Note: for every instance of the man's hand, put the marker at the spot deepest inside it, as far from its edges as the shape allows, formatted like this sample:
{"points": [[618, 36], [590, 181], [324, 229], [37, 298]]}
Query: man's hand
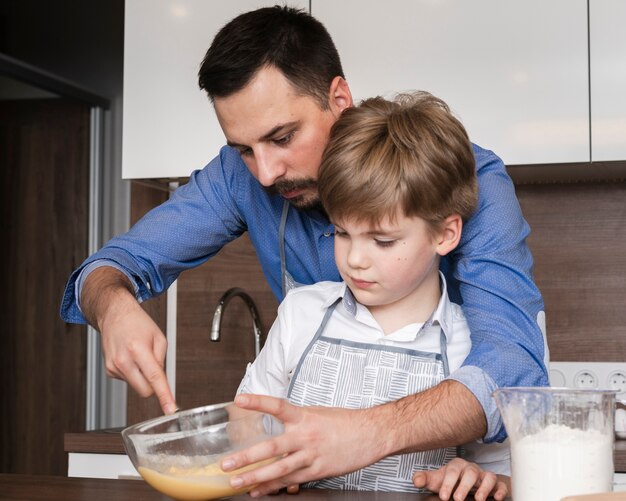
{"points": [[312, 436], [320, 442], [134, 347], [459, 477]]}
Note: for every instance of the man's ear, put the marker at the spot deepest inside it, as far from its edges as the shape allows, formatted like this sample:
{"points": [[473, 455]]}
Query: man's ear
{"points": [[449, 235], [340, 96]]}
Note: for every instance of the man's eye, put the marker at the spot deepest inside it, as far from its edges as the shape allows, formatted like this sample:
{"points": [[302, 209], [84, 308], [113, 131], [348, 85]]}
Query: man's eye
{"points": [[245, 152], [284, 139]]}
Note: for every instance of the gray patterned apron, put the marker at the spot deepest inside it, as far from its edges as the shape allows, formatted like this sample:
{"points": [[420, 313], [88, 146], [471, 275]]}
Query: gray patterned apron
{"points": [[340, 373], [288, 281]]}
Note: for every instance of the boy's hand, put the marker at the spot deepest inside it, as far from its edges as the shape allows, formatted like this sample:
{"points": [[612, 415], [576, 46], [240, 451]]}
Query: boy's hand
{"points": [[458, 478]]}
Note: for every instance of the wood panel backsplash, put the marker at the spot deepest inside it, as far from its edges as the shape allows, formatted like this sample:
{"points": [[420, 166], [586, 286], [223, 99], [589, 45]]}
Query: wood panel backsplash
{"points": [[210, 372], [578, 241]]}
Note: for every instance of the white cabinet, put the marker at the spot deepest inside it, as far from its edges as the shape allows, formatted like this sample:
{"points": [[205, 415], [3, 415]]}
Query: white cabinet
{"points": [[515, 72], [169, 125], [607, 41], [95, 465]]}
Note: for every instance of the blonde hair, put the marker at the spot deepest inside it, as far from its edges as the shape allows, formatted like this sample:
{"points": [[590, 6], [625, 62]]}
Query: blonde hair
{"points": [[410, 154]]}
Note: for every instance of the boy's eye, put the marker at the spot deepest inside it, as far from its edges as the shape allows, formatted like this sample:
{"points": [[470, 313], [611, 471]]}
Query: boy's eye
{"points": [[385, 243], [340, 234]]}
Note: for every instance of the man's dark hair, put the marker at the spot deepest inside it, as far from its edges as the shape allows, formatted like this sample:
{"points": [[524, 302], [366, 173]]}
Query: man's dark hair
{"points": [[289, 39]]}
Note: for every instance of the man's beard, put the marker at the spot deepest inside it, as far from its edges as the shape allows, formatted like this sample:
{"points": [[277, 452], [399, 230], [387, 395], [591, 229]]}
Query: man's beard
{"points": [[308, 201]]}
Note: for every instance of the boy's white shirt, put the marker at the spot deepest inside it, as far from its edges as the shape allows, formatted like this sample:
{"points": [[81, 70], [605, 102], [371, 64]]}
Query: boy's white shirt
{"points": [[300, 315]]}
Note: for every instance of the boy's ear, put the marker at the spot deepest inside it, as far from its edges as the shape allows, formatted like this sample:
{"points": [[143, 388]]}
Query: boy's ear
{"points": [[449, 235], [340, 96]]}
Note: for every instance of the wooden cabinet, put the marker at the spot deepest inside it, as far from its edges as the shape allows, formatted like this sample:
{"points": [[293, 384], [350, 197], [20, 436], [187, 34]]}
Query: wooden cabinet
{"points": [[170, 128], [515, 72], [607, 45], [44, 193]]}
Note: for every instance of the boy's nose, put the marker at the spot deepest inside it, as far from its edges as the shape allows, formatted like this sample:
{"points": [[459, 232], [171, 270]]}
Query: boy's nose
{"points": [[356, 257]]}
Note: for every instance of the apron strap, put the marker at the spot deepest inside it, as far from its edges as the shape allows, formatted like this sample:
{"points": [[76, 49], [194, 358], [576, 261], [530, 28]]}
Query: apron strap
{"points": [[443, 347], [318, 333], [281, 245], [443, 343]]}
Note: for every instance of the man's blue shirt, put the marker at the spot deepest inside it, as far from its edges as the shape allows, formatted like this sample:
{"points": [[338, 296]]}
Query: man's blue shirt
{"points": [[489, 273]]}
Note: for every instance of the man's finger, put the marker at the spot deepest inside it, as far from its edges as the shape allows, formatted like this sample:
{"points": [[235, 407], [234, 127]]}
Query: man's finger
{"points": [[293, 489], [159, 348], [277, 407], [123, 367], [271, 448], [134, 377], [284, 473], [155, 376]]}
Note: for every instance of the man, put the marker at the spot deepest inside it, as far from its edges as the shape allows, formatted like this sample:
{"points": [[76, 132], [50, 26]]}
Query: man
{"points": [[276, 82]]}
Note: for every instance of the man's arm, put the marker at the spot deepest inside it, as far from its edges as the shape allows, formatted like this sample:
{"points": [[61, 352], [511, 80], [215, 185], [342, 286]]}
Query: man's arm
{"points": [[134, 347], [492, 267], [322, 442], [194, 224]]}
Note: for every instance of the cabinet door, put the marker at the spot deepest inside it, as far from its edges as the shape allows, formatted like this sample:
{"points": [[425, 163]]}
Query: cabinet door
{"points": [[515, 72], [607, 40], [170, 127]]}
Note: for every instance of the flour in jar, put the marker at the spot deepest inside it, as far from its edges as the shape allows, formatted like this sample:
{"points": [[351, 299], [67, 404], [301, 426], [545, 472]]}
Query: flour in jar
{"points": [[561, 461]]}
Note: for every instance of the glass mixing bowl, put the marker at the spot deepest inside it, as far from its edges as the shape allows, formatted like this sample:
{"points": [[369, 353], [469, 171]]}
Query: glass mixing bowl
{"points": [[179, 455]]}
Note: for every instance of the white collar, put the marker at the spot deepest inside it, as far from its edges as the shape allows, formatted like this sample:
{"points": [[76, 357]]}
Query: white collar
{"points": [[442, 315]]}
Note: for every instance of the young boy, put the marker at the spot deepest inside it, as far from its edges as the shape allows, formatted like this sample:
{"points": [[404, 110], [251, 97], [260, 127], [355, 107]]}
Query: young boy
{"points": [[397, 180]]}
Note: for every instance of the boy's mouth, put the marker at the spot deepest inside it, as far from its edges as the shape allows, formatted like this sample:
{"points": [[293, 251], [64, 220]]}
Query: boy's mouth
{"points": [[362, 284]]}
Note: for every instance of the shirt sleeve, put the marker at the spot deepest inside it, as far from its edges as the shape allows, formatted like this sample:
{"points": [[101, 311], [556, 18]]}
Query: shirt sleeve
{"points": [[194, 224], [492, 267], [269, 374]]}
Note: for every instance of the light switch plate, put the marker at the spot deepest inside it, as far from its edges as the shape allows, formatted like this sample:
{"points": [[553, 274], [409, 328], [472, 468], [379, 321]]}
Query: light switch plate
{"points": [[599, 375]]}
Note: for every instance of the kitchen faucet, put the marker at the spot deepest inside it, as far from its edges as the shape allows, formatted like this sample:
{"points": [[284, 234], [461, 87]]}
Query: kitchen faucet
{"points": [[221, 306]]}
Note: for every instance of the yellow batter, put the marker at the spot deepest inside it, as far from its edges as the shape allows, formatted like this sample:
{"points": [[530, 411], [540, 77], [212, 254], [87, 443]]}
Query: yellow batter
{"points": [[195, 484]]}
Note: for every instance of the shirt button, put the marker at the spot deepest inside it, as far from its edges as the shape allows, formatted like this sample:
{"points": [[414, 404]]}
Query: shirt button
{"points": [[327, 233]]}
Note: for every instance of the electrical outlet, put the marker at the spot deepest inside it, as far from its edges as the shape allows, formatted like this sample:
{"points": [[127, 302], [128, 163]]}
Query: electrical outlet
{"points": [[617, 381], [585, 379], [600, 375]]}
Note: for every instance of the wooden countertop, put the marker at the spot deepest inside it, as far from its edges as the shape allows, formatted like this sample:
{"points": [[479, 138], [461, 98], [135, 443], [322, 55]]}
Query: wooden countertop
{"points": [[95, 442], [48, 488]]}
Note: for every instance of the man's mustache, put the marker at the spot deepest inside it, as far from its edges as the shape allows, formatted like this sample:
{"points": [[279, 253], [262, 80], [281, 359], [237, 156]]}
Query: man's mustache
{"points": [[287, 185]]}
